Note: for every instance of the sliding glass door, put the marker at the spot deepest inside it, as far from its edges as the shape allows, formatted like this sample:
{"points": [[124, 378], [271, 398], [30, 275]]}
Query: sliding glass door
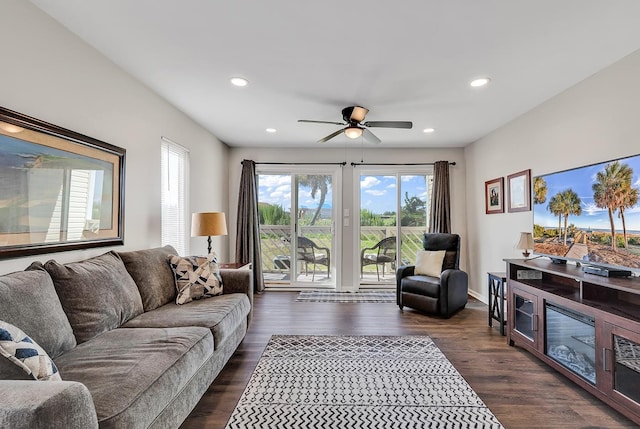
{"points": [[298, 236], [394, 208]]}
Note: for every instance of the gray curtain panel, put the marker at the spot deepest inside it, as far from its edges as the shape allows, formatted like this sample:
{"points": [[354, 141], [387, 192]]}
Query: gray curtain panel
{"points": [[440, 199], [248, 224]]}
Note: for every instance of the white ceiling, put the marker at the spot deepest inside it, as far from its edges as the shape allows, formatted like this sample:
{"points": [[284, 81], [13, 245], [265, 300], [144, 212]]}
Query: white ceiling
{"points": [[404, 60]]}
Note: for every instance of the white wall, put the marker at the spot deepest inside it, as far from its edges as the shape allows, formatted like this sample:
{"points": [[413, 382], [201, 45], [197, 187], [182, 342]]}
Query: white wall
{"points": [[594, 121], [48, 73], [370, 155]]}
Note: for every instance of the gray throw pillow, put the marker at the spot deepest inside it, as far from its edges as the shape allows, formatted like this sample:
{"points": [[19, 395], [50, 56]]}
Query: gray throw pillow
{"points": [[153, 275], [98, 294], [29, 300]]}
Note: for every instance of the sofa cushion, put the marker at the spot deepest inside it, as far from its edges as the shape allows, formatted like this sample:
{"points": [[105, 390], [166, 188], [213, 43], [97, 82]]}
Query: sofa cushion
{"points": [[197, 277], [98, 294], [19, 349], [222, 314], [429, 262], [152, 274], [134, 374], [25, 293]]}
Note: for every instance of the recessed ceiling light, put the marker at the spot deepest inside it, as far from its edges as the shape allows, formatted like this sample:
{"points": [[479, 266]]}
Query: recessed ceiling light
{"points": [[239, 81], [271, 130], [476, 83], [428, 130]]}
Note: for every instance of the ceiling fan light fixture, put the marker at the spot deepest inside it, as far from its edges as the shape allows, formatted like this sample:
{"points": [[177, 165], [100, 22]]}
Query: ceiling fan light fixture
{"points": [[353, 132]]}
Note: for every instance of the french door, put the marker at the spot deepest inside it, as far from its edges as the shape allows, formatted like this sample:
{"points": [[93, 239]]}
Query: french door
{"points": [[297, 211], [394, 213]]}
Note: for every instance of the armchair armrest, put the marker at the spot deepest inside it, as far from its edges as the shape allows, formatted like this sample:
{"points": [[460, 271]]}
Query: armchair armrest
{"points": [[401, 272], [454, 287], [238, 281], [46, 404]]}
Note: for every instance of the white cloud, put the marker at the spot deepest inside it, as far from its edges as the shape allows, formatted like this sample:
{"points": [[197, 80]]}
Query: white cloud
{"points": [[391, 186], [408, 178], [591, 209], [270, 181], [375, 192], [369, 181]]}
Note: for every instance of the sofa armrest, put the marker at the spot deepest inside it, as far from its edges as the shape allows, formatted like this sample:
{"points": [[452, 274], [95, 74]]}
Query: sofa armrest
{"points": [[401, 272], [454, 288], [238, 281], [46, 404]]}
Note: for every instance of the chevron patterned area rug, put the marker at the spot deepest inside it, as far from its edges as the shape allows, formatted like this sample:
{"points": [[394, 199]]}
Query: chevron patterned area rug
{"points": [[358, 382], [359, 296]]}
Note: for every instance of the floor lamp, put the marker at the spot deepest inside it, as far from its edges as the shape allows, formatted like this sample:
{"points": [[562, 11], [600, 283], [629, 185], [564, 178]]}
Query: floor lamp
{"points": [[208, 224]]}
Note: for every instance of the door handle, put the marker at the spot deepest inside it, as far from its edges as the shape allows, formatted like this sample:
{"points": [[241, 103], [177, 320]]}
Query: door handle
{"points": [[605, 359]]}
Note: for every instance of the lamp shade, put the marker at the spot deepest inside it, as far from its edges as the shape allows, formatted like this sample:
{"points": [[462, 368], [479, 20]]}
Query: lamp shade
{"points": [[526, 241], [208, 224]]}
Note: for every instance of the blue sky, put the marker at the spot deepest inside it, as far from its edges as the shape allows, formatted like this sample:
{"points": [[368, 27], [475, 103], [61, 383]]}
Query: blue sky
{"points": [[276, 189], [581, 181], [378, 193]]}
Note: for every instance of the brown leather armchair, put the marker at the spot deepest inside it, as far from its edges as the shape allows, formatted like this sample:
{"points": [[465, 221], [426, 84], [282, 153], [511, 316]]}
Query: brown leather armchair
{"points": [[444, 295]]}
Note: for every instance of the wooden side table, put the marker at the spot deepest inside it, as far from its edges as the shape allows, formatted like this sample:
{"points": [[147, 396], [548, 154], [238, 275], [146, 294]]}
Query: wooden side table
{"points": [[497, 284]]}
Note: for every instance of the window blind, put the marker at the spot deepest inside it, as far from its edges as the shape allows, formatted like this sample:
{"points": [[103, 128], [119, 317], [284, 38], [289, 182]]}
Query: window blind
{"points": [[175, 182]]}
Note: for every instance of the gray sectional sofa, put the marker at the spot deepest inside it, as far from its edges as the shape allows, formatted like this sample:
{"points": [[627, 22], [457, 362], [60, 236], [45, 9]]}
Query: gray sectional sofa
{"points": [[128, 355]]}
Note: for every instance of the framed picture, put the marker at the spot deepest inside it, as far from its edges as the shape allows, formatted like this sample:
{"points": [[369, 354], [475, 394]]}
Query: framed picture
{"points": [[494, 196], [59, 190], [519, 191]]}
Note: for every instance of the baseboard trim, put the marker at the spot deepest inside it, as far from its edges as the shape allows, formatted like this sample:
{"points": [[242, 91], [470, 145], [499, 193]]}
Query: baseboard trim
{"points": [[478, 296]]}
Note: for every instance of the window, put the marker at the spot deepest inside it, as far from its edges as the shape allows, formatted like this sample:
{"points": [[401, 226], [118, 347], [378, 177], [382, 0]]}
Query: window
{"points": [[175, 188], [385, 242]]}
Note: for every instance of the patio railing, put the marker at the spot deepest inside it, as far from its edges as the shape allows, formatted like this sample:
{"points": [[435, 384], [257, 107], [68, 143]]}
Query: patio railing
{"points": [[276, 243]]}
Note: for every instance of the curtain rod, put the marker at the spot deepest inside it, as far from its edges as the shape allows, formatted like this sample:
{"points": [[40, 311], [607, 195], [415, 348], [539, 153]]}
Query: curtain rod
{"points": [[301, 163], [353, 164]]}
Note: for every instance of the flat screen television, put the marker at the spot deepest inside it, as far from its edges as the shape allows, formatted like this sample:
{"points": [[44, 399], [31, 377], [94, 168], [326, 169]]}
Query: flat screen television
{"points": [[590, 214]]}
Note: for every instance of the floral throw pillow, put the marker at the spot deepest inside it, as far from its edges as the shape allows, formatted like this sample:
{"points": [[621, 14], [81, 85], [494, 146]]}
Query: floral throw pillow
{"points": [[197, 277], [23, 352]]}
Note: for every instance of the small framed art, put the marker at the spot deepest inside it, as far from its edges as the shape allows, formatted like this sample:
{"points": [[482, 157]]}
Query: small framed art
{"points": [[519, 191], [494, 196]]}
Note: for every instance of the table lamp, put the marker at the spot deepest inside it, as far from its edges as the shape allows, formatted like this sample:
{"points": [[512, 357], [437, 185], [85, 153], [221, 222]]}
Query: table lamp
{"points": [[208, 224], [525, 243]]}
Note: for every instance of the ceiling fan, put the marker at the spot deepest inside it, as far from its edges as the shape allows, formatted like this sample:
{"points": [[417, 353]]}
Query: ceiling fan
{"points": [[353, 117]]}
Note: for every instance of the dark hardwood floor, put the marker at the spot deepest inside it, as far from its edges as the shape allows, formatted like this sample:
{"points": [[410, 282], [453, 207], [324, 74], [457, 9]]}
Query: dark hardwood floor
{"points": [[520, 390]]}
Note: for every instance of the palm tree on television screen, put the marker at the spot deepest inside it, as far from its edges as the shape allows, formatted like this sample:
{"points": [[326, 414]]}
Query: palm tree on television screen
{"points": [[627, 198], [555, 207], [570, 205], [539, 190], [607, 191]]}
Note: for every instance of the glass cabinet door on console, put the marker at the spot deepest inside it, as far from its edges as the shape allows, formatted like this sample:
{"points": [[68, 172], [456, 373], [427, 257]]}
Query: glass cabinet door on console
{"points": [[621, 364], [524, 316]]}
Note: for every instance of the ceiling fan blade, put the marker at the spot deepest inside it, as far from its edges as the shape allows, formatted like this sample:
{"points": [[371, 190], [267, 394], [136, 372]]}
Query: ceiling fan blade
{"points": [[389, 124], [332, 135], [370, 137], [321, 122], [358, 113]]}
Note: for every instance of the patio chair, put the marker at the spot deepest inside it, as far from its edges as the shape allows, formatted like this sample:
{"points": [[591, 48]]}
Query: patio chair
{"points": [[310, 253], [384, 252]]}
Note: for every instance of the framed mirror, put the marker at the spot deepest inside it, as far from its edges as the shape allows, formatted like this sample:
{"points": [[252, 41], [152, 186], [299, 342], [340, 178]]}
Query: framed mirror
{"points": [[59, 190]]}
